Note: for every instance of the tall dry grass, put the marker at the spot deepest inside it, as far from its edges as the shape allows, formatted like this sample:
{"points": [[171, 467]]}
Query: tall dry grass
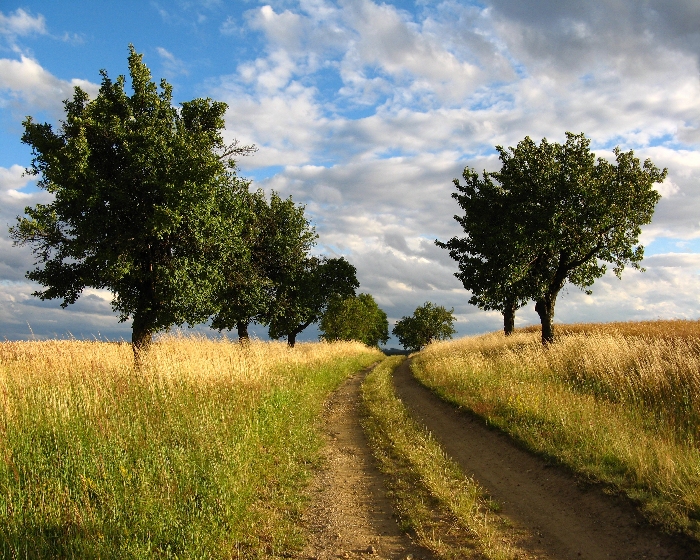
{"points": [[666, 328], [612, 402], [201, 453]]}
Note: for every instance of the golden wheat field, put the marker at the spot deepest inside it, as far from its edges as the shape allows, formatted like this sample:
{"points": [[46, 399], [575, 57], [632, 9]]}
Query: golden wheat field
{"points": [[201, 452], [619, 403]]}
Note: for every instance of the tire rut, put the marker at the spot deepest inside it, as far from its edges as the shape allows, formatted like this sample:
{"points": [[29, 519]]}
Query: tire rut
{"points": [[566, 518], [350, 515]]}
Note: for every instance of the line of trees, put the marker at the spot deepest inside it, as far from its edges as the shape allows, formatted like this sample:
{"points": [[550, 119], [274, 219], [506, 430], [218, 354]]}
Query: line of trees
{"points": [[553, 214], [148, 204]]}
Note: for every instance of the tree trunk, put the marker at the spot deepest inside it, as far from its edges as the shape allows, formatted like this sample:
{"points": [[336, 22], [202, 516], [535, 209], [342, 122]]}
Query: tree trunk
{"points": [[291, 339], [545, 309], [509, 318], [141, 338], [242, 332]]}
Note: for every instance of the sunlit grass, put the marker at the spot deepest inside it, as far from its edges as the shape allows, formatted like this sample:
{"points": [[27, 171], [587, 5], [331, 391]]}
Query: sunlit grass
{"points": [[201, 453], [610, 402], [445, 510]]}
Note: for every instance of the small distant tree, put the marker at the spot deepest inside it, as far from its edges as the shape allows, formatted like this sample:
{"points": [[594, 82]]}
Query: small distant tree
{"points": [[145, 202], [355, 318], [277, 239], [304, 292], [428, 323]]}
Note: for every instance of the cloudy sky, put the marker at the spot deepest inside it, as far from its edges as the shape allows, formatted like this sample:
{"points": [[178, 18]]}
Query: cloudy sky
{"points": [[365, 111]]}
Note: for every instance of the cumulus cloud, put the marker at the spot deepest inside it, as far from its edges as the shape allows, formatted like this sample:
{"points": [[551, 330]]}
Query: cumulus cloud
{"points": [[365, 112], [630, 38], [25, 84], [20, 23], [15, 195]]}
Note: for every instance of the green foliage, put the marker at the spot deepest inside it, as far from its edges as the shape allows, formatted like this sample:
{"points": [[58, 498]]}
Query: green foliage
{"points": [[305, 289], [355, 318], [145, 202], [428, 323], [276, 240], [562, 215], [492, 264]]}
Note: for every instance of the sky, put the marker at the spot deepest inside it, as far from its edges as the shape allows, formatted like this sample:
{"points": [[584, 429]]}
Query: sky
{"points": [[365, 112]]}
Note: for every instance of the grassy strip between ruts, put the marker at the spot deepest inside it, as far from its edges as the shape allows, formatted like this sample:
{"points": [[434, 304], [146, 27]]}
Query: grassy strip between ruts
{"points": [[621, 409], [203, 453], [443, 509]]}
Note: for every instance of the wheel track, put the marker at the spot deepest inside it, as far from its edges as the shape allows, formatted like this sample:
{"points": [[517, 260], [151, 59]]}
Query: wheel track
{"points": [[567, 519], [350, 515]]}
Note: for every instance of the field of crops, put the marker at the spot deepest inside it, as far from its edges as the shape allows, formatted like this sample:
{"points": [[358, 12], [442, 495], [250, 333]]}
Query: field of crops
{"points": [[202, 452], [619, 403]]}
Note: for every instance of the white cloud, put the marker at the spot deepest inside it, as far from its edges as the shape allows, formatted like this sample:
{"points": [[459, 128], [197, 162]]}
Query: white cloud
{"points": [[229, 26], [172, 65], [20, 23], [402, 50], [26, 84]]}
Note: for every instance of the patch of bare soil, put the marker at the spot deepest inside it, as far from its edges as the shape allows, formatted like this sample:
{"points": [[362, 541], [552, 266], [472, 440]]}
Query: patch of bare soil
{"points": [[350, 515], [565, 517]]}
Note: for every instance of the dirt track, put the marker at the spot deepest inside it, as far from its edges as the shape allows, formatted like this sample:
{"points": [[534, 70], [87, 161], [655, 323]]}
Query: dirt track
{"points": [[569, 519], [350, 515]]}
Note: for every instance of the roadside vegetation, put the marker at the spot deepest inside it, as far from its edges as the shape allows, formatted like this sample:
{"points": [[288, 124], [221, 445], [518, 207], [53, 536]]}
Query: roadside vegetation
{"points": [[443, 509], [618, 403], [203, 452]]}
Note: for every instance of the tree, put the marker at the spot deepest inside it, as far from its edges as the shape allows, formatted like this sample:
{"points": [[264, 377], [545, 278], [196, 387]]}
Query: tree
{"points": [[146, 202], [490, 258], [572, 214], [303, 293], [355, 318], [277, 239], [428, 323]]}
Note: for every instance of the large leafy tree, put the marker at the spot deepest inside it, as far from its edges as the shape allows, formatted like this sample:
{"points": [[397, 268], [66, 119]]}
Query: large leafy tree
{"points": [[428, 323], [146, 202], [277, 239], [575, 214], [553, 214], [304, 291], [355, 318], [490, 257]]}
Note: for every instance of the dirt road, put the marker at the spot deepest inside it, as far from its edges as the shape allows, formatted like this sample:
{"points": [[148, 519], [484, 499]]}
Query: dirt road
{"points": [[569, 519], [350, 515]]}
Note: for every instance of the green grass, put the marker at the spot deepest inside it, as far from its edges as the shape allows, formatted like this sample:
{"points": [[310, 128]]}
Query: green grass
{"points": [[443, 509], [105, 462]]}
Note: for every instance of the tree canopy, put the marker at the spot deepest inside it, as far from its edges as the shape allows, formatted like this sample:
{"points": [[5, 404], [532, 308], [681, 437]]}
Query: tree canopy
{"points": [[428, 323], [355, 318], [490, 258], [567, 216], [276, 241], [146, 202], [304, 290]]}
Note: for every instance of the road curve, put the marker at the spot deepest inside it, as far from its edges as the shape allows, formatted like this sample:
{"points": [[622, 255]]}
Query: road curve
{"points": [[566, 518]]}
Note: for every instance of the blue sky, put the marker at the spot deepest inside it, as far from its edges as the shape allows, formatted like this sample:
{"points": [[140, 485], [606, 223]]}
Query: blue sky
{"points": [[365, 111]]}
